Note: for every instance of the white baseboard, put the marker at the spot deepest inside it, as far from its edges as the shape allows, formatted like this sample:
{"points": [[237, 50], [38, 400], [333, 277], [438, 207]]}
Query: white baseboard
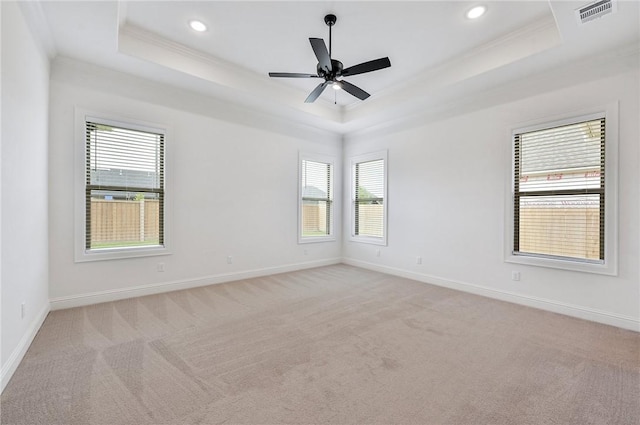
{"points": [[18, 353], [157, 288], [625, 322]]}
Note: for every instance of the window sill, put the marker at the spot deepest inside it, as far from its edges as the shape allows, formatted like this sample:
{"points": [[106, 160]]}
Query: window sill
{"points": [[369, 240], [562, 264], [120, 253], [316, 239]]}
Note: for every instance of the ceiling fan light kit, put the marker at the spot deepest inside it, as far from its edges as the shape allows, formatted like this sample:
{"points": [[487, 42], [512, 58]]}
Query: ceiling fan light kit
{"points": [[331, 69]]}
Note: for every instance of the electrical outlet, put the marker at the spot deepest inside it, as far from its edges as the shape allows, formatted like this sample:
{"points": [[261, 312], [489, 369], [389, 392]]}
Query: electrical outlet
{"points": [[515, 275], [306, 252], [229, 260], [419, 260], [377, 253], [23, 310], [160, 267]]}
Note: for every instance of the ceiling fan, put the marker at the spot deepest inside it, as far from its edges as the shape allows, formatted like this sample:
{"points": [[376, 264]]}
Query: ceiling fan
{"points": [[331, 69]]}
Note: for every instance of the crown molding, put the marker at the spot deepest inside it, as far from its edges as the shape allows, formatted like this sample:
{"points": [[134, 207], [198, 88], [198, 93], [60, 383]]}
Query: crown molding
{"points": [[461, 98], [143, 44], [524, 42], [39, 26]]}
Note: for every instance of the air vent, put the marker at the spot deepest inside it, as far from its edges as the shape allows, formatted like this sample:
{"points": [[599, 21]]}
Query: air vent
{"points": [[595, 10]]}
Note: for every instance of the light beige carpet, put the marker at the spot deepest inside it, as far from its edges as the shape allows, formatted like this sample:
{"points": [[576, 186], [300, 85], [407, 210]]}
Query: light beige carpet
{"points": [[332, 345]]}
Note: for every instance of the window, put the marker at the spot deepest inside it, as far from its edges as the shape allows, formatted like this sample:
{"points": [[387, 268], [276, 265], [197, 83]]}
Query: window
{"points": [[316, 199], [562, 195], [368, 194], [124, 190]]}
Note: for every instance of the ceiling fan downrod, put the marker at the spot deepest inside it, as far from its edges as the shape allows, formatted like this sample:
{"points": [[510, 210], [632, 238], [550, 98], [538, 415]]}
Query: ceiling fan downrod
{"points": [[330, 20]]}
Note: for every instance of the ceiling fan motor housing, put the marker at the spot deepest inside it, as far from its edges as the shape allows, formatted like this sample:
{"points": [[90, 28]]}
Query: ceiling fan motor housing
{"points": [[336, 70]]}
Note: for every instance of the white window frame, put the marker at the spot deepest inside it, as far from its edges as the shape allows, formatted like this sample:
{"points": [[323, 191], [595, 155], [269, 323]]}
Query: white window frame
{"points": [[373, 156], [610, 264], [81, 253], [325, 160]]}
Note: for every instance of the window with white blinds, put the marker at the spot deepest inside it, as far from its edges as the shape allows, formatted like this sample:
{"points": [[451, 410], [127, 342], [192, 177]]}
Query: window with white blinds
{"points": [[559, 192], [316, 199], [369, 193], [124, 186]]}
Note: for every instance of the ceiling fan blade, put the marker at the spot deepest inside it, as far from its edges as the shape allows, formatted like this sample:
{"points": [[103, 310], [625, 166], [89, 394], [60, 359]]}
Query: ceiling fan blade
{"points": [[292, 75], [361, 68], [354, 90], [320, 49], [317, 92]]}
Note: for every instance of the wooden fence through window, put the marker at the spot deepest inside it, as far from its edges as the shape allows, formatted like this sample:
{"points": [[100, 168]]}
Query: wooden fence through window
{"points": [[122, 221]]}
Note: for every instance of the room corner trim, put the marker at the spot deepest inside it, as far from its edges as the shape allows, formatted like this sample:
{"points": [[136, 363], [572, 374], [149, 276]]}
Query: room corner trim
{"points": [[80, 300], [607, 318], [9, 368]]}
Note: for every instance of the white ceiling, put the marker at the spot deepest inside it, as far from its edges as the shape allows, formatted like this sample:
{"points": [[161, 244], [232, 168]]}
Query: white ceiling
{"points": [[437, 55]]}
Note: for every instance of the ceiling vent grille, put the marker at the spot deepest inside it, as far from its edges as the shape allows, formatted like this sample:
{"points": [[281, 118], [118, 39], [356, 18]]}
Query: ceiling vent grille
{"points": [[595, 10]]}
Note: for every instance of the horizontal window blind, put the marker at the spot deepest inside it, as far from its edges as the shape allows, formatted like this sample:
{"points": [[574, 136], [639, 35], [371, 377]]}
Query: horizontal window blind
{"points": [[124, 190], [316, 180], [369, 198], [559, 181]]}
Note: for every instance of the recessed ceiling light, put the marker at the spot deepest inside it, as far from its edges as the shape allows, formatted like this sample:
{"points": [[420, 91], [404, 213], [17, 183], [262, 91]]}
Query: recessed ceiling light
{"points": [[197, 26], [476, 12]]}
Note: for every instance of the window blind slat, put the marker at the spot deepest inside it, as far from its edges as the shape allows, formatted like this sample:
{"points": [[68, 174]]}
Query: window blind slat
{"points": [[316, 180], [124, 187], [559, 191], [369, 198]]}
